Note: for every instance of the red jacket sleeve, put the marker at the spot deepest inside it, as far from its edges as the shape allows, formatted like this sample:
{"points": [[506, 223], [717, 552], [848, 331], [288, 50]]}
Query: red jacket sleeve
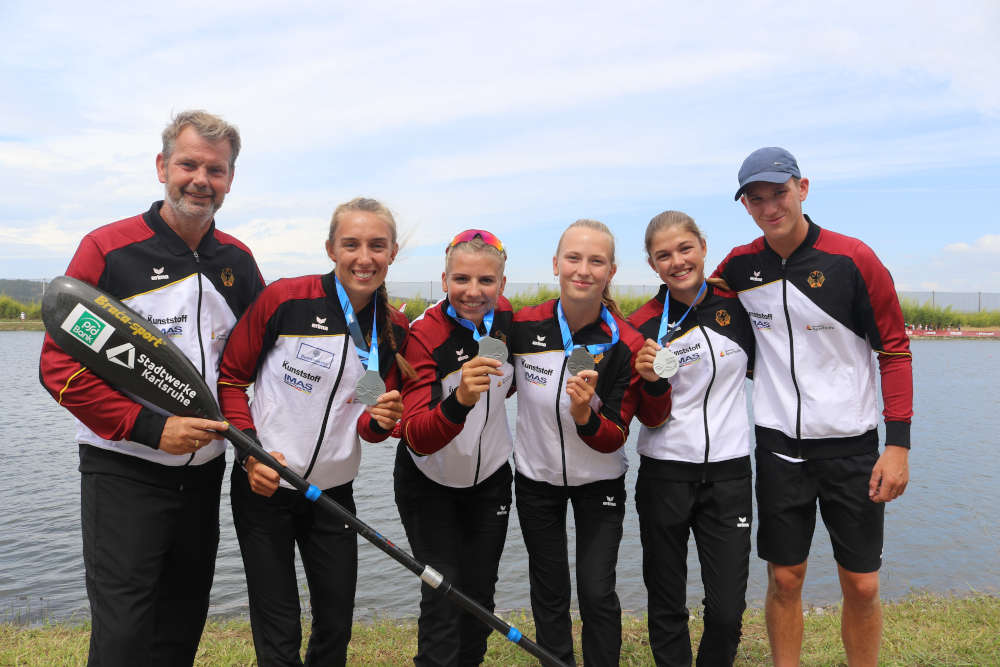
{"points": [[607, 431], [887, 335], [426, 427], [654, 397], [103, 409]]}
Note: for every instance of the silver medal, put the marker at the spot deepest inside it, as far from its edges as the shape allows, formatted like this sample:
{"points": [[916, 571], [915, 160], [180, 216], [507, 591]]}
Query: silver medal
{"points": [[492, 348], [369, 387], [665, 364], [580, 360]]}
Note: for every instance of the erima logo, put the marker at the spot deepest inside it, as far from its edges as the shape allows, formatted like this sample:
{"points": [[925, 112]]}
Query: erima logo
{"points": [[503, 511], [539, 341], [158, 274], [318, 324], [460, 354], [741, 522], [756, 277], [610, 502]]}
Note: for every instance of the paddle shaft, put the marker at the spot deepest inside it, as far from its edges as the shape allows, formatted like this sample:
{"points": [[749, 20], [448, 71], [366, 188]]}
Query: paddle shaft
{"points": [[426, 573]]}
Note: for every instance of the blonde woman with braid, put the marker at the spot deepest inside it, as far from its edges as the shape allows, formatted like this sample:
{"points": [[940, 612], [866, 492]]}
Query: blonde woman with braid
{"points": [[322, 352], [577, 391]]}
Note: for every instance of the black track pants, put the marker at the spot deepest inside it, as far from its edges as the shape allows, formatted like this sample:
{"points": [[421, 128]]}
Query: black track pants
{"points": [[460, 532], [598, 513], [719, 514], [149, 554], [268, 530]]}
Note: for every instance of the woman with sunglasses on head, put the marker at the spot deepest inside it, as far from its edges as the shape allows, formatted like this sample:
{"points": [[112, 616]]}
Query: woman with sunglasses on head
{"points": [[452, 477], [694, 471], [322, 353], [577, 391]]}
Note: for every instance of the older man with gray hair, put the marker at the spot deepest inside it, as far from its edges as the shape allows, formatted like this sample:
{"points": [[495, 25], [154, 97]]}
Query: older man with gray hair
{"points": [[150, 483]]}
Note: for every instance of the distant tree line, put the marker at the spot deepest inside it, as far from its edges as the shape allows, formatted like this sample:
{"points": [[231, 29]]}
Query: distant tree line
{"points": [[915, 314], [11, 309], [25, 291]]}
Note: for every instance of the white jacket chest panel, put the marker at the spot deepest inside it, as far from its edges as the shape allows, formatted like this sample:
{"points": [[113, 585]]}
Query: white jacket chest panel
{"points": [[174, 310], [542, 440], [293, 411], [483, 445], [834, 369], [683, 437]]}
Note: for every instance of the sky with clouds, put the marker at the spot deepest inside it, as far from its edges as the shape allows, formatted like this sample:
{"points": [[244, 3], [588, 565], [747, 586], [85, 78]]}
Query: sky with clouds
{"points": [[518, 117]]}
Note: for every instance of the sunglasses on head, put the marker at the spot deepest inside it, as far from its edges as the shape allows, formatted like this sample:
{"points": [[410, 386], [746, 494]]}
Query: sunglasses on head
{"points": [[488, 238]]}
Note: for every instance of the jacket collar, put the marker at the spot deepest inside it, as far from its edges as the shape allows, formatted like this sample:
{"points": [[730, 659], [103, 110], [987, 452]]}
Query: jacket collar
{"points": [[174, 243]]}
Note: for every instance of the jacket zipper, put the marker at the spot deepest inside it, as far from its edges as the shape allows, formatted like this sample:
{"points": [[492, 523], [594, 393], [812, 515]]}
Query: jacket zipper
{"points": [[708, 390], [562, 440], [201, 341], [329, 404], [479, 448], [791, 357]]}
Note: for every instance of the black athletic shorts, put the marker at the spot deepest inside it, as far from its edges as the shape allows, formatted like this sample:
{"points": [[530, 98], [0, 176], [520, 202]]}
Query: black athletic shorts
{"points": [[786, 509]]}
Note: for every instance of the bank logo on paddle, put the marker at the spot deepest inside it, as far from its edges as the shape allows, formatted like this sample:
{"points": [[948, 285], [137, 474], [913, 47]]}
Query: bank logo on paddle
{"points": [[87, 327]]}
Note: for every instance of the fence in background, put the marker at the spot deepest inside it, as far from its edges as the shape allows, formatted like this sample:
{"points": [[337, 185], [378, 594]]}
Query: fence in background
{"points": [[965, 302]]}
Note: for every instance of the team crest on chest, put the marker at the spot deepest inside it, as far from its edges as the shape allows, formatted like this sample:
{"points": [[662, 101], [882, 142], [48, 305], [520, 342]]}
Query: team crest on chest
{"points": [[227, 277], [598, 357], [816, 279], [722, 317]]}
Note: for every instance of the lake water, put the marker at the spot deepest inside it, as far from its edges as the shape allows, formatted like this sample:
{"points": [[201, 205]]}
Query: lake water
{"points": [[941, 536]]}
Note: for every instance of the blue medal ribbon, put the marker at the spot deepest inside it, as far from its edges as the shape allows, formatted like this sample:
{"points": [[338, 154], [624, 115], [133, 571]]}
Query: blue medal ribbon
{"points": [[469, 324], [368, 357], [668, 328], [594, 348]]}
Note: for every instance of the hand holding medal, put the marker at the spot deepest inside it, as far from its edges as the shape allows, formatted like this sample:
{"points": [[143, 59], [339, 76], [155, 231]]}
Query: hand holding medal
{"points": [[387, 410], [644, 360], [665, 363], [477, 374]]}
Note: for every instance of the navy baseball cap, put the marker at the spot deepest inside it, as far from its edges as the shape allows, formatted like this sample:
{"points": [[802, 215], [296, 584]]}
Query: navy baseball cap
{"points": [[771, 164]]}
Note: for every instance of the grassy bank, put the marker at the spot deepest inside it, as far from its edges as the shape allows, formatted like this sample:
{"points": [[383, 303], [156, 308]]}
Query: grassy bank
{"points": [[920, 630], [19, 325]]}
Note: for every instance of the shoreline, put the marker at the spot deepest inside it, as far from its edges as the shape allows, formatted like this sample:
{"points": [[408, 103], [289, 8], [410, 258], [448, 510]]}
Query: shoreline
{"points": [[22, 325], [919, 629]]}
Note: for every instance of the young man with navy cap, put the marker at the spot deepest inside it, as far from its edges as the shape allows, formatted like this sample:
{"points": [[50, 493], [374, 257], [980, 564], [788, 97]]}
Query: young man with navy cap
{"points": [[820, 303]]}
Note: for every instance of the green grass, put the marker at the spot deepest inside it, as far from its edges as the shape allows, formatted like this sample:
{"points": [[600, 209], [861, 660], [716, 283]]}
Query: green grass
{"points": [[920, 630]]}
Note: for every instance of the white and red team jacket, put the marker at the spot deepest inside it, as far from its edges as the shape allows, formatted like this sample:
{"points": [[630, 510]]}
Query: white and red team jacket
{"points": [[706, 433], [454, 445], [294, 346], [550, 447], [817, 318], [194, 297]]}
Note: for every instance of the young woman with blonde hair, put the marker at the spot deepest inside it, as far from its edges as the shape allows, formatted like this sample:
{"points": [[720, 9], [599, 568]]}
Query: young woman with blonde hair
{"points": [[577, 390], [452, 476]]}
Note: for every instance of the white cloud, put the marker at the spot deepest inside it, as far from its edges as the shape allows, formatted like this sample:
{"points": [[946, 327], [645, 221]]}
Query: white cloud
{"points": [[513, 116], [988, 245]]}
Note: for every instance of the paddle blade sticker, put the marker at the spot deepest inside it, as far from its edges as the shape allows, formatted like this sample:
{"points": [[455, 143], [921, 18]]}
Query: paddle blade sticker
{"points": [[123, 348]]}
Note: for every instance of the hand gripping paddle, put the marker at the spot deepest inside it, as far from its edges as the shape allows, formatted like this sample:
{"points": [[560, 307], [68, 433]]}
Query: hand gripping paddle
{"points": [[122, 347]]}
